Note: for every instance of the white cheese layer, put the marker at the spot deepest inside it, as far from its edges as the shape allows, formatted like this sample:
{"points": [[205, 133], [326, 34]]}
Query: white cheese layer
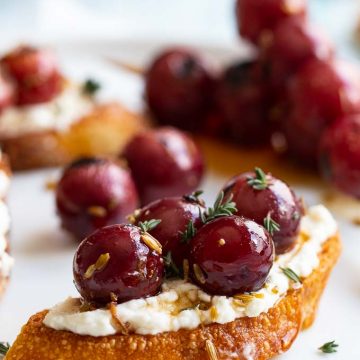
{"points": [[175, 307], [58, 114]]}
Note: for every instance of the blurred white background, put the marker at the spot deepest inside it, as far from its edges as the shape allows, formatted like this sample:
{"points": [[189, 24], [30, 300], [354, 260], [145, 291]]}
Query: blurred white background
{"points": [[200, 21]]}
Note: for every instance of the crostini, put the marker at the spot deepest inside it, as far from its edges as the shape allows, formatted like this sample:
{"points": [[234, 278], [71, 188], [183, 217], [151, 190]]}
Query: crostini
{"points": [[234, 297], [47, 120]]}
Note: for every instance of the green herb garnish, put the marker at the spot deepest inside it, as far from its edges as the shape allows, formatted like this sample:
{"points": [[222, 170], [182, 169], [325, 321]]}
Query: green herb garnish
{"points": [[171, 270], [194, 197], [220, 208], [329, 347], [189, 233], [149, 225], [259, 181], [270, 225], [4, 348], [91, 86], [291, 274]]}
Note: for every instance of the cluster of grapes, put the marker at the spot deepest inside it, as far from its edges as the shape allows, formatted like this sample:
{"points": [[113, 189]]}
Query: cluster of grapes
{"points": [[95, 192], [295, 90], [225, 249]]}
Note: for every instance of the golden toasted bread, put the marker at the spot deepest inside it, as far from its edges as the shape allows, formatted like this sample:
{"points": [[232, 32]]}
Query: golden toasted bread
{"points": [[246, 338], [104, 131]]}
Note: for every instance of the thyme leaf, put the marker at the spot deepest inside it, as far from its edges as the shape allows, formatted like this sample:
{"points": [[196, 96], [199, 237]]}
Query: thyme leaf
{"points": [[220, 208], [270, 225], [149, 225], [90, 87], [4, 348], [195, 197], [259, 181], [329, 347], [189, 233], [171, 270], [291, 274]]}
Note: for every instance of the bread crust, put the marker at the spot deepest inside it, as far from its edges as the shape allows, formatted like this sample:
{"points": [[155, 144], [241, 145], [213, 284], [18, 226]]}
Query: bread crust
{"points": [[257, 338], [104, 131]]}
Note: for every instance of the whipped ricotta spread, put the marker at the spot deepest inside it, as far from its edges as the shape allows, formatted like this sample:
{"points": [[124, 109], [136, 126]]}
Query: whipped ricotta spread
{"points": [[183, 305], [58, 114], [6, 261]]}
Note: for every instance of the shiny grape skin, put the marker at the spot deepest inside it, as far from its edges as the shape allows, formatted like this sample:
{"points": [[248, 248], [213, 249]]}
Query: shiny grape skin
{"points": [[277, 199], [292, 44], [133, 270], [178, 88], [7, 90], [319, 93], [339, 155], [175, 214], [164, 162], [235, 255], [243, 102], [90, 185], [257, 17], [35, 72]]}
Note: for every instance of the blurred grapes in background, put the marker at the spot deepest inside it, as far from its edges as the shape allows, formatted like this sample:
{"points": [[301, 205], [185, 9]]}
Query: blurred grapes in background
{"points": [[200, 21]]}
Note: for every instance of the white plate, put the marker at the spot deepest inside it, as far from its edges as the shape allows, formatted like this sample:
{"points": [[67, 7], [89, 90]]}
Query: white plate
{"points": [[42, 274]]}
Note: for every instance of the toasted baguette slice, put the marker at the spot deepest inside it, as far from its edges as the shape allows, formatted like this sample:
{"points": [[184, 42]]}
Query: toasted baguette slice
{"points": [[102, 132], [258, 338]]}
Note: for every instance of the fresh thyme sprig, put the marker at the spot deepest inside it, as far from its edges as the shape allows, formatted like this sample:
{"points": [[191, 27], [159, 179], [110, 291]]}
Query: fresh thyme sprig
{"points": [[291, 274], [91, 86], [259, 181], [270, 225], [329, 347], [4, 348], [171, 270], [220, 208], [149, 225], [189, 233], [195, 197]]}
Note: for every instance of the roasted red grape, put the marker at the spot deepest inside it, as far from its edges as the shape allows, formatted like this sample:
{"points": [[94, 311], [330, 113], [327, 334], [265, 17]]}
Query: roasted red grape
{"points": [[270, 202], [231, 255], [36, 73], [7, 90], [164, 162], [180, 217], [92, 193], [178, 88], [243, 101], [339, 156], [293, 42], [256, 17], [318, 93], [115, 264]]}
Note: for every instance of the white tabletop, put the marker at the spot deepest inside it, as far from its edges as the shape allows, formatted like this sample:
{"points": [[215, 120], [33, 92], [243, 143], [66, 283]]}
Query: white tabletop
{"points": [[200, 21]]}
